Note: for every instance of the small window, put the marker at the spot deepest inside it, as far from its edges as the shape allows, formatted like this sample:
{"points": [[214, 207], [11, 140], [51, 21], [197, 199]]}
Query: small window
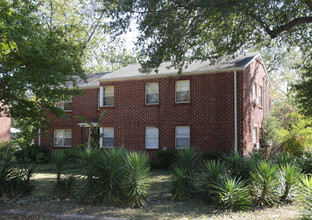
{"points": [[182, 137], [65, 105], [62, 138], [151, 93], [108, 96], [254, 137], [108, 137], [151, 137], [260, 96], [182, 91], [254, 95]]}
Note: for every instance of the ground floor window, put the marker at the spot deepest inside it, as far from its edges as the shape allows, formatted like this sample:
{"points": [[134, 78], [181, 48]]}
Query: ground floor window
{"points": [[254, 137], [151, 137], [107, 137], [62, 138], [182, 137]]}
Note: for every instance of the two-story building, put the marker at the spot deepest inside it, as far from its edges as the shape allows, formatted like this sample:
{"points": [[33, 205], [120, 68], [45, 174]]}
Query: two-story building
{"points": [[210, 107]]}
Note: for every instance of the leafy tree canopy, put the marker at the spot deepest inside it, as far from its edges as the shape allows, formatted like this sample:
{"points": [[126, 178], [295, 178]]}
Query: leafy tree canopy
{"points": [[182, 31]]}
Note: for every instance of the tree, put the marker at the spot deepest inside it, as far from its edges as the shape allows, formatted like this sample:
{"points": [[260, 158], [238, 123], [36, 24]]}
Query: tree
{"points": [[36, 63], [183, 31]]}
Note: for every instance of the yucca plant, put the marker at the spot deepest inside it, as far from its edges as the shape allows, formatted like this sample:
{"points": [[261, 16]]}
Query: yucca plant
{"points": [[135, 183], [110, 174], [6, 173], [264, 184], [187, 159], [306, 196], [182, 184], [66, 187], [88, 159], [237, 166], [289, 179], [231, 194], [282, 159]]}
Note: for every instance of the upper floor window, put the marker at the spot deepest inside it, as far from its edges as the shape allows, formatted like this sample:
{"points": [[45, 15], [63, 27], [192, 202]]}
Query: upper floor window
{"points": [[107, 96], [182, 137], [151, 93], [182, 91], [151, 137], [260, 95], [62, 138], [65, 105], [107, 137], [254, 95]]}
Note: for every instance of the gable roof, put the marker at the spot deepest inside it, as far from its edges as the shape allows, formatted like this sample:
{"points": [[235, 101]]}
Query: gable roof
{"points": [[92, 80], [225, 64]]}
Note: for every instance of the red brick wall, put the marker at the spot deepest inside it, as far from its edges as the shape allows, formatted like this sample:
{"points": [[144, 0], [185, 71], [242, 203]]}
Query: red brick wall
{"points": [[210, 113], [5, 124]]}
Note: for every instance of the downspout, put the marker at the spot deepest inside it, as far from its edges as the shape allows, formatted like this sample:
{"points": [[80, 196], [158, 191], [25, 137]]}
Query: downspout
{"points": [[39, 138], [235, 113]]}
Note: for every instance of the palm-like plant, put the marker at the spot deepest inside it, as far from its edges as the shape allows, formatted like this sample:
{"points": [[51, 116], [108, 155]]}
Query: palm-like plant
{"points": [[135, 183], [231, 194], [60, 161], [187, 159], [290, 176], [306, 196], [237, 166], [110, 173], [182, 184], [264, 184]]}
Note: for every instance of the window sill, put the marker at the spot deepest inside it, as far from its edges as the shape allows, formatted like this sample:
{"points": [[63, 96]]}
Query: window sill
{"points": [[108, 106], [151, 148], [68, 111], [152, 105]]}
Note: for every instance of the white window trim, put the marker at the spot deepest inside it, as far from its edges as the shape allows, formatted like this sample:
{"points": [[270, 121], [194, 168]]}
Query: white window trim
{"points": [[175, 91], [176, 137], [102, 96], [259, 98], [102, 137], [63, 130], [152, 137], [146, 93], [254, 138], [254, 93]]}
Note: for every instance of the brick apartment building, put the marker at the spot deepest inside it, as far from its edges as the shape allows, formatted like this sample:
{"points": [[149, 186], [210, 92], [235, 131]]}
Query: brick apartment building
{"points": [[217, 107]]}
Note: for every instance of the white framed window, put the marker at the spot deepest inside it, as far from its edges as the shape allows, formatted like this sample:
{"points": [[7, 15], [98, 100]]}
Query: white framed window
{"points": [[107, 137], [182, 91], [151, 138], [260, 95], [182, 137], [65, 105], [151, 93], [62, 138], [254, 137], [254, 95], [107, 96]]}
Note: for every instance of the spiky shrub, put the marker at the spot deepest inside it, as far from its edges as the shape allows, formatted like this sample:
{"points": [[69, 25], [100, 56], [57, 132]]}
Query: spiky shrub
{"points": [[231, 194], [306, 196], [211, 174], [88, 159], [110, 176], [289, 179], [187, 159], [282, 159], [182, 184], [237, 166], [65, 188], [264, 184], [135, 184]]}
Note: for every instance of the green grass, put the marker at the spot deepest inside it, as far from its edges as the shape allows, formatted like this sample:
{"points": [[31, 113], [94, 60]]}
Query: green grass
{"points": [[159, 203]]}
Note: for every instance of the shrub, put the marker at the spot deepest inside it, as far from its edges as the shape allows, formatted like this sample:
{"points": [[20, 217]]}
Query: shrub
{"points": [[65, 186], [305, 163], [282, 159], [32, 153], [290, 175], [264, 184], [237, 166], [212, 155], [231, 194], [294, 145], [187, 159], [182, 184], [135, 182], [166, 158], [6, 147], [306, 196]]}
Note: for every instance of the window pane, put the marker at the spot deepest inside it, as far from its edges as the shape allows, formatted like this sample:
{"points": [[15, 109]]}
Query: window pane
{"points": [[182, 131], [108, 142], [152, 98], [109, 91], [254, 91], [182, 143], [182, 85], [67, 142], [108, 132], [260, 95], [58, 133], [254, 135], [67, 133], [151, 132], [182, 96], [67, 106], [109, 100], [151, 88], [151, 142], [58, 142]]}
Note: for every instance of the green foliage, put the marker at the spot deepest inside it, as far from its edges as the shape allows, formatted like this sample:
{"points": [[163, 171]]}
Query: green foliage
{"points": [[231, 194], [305, 163], [182, 184], [32, 153], [135, 184], [65, 186], [282, 159], [238, 166], [166, 158], [187, 159], [306, 196], [6, 147], [270, 134], [110, 171], [294, 145], [212, 155], [290, 176], [264, 184]]}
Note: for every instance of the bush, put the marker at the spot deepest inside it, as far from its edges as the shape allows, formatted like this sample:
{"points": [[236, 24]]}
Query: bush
{"points": [[6, 147], [305, 163], [290, 175], [166, 158], [306, 196], [65, 187], [238, 166], [294, 145], [182, 184], [212, 155], [32, 153]]}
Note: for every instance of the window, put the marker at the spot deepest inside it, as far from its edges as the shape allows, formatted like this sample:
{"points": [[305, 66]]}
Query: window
{"points": [[151, 93], [65, 105], [107, 96], [254, 137], [62, 138], [182, 91], [182, 137], [107, 138], [151, 137], [254, 95], [260, 96]]}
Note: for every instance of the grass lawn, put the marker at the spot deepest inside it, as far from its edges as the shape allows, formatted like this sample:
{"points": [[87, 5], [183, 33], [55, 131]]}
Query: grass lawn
{"points": [[160, 205]]}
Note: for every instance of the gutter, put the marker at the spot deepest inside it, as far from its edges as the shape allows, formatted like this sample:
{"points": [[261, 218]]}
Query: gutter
{"points": [[235, 113]]}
